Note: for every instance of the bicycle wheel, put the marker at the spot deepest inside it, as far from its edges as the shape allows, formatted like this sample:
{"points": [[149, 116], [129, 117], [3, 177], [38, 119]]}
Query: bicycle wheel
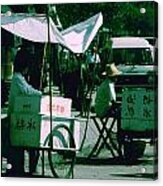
{"points": [[62, 158]]}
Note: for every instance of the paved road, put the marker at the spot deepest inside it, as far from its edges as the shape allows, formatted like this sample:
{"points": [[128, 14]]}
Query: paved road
{"points": [[104, 167], [108, 168], [143, 169]]}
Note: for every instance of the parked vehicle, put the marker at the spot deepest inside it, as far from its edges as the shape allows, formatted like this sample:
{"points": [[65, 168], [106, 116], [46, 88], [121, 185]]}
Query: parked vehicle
{"points": [[135, 57]]}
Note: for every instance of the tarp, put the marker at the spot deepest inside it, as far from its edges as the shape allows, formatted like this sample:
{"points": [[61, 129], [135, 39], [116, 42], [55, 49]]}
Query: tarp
{"points": [[33, 28], [77, 38]]}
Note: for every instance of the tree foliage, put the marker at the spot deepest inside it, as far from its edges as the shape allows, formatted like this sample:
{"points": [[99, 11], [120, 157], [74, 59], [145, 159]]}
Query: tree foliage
{"points": [[121, 18]]}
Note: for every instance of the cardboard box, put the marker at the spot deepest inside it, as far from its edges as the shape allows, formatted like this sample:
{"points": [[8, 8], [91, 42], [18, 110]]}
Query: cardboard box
{"points": [[58, 141], [60, 106]]}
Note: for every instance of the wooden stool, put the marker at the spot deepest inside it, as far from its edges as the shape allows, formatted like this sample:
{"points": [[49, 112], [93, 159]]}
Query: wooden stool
{"points": [[105, 136]]}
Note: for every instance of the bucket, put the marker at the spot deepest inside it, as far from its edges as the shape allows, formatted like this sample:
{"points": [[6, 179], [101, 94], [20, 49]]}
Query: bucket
{"points": [[134, 149]]}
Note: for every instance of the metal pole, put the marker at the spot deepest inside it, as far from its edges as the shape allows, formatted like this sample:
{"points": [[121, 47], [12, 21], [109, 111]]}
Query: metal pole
{"points": [[50, 75]]}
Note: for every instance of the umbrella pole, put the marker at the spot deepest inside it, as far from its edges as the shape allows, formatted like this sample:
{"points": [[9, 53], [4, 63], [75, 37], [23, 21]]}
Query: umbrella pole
{"points": [[50, 77]]}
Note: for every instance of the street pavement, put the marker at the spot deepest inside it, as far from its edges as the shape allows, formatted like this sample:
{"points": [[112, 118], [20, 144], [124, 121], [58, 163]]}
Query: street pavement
{"points": [[104, 166], [110, 169]]}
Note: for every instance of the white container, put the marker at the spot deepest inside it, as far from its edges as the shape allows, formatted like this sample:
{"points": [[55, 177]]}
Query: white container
{"points": [[60, 106], [71, 123]]}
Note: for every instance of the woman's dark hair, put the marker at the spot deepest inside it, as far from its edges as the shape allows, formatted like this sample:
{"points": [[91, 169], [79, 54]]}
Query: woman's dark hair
{"points": [[22, 60]]}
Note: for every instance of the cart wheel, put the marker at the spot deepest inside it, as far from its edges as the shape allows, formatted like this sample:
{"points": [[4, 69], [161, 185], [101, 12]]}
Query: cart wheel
{"points": [[61, 160]]}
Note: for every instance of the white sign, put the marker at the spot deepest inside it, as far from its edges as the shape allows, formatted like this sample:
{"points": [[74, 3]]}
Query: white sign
{"points": [[61, 107]]}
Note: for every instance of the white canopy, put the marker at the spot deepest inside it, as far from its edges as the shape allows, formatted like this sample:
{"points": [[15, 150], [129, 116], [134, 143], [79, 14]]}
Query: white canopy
{"points": [[79, 37], [35, 28]]}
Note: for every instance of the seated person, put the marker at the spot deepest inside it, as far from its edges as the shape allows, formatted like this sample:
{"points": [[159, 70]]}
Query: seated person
{"points": [[106, 95]]}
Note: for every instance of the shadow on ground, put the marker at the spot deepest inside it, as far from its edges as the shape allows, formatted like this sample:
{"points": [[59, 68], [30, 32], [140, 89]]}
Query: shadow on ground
{"points": [[138, 175], [111, 161]]}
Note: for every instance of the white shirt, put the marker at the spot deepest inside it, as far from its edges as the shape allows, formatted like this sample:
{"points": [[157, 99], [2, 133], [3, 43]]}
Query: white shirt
{"points": [[19, 86], [95, 58], [112, 91]]}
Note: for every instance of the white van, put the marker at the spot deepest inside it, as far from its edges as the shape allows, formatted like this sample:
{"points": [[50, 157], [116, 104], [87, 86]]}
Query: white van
{"points": [[135, 57]]}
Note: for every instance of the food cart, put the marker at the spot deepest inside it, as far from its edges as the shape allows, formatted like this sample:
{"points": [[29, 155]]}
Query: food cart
{"points": [[138, 120], [31, 129], [54, 130]]}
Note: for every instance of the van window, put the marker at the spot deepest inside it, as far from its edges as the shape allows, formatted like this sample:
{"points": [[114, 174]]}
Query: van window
{"points": [[132, 56]]}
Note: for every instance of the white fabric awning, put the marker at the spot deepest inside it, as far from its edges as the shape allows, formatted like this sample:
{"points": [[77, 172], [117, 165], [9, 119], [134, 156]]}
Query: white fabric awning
{"points": [[79, 37], [35, 28]]}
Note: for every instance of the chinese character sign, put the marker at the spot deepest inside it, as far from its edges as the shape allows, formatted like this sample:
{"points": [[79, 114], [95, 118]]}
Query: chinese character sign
{"points": [[60, 106], [138, 103], [148, 105], [27, 104], [22, 124], [25, 129], [138, 109], [129, 104]]}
